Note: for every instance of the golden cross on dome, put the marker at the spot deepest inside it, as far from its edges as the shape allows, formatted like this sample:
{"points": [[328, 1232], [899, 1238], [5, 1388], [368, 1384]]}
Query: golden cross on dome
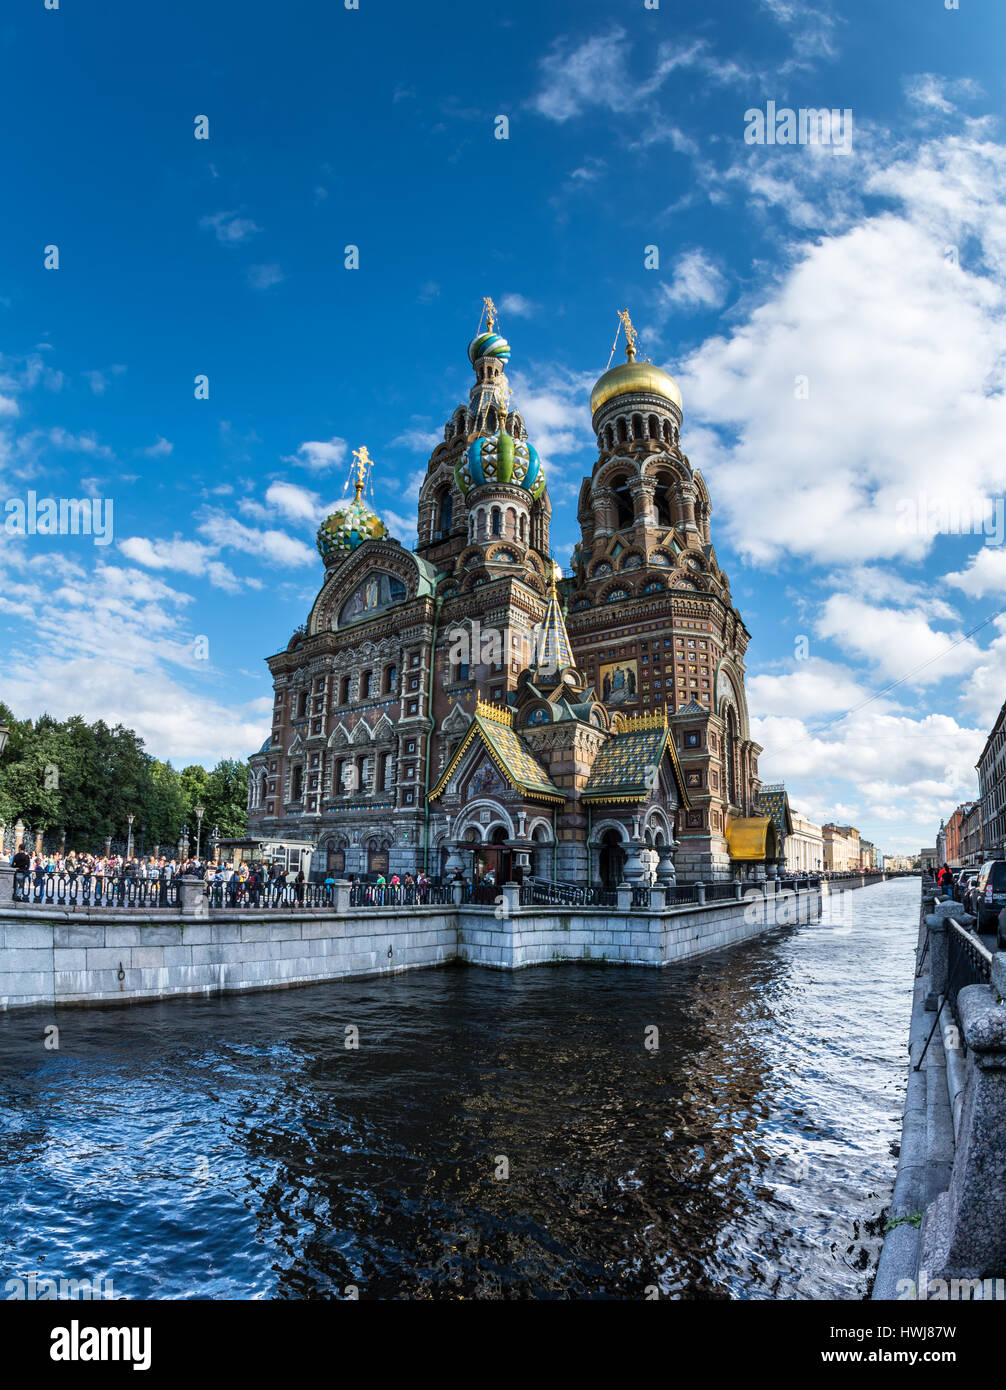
{"points": [[491, 315], [363, 464], [630, 334]]}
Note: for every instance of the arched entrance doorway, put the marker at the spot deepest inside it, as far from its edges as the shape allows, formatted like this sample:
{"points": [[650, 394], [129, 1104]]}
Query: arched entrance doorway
{"points": [[611, 860], [493, 863]]}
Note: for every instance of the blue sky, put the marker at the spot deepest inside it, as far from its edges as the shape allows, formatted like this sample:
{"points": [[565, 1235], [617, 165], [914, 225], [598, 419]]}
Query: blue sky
{"points": [[871, 276]]}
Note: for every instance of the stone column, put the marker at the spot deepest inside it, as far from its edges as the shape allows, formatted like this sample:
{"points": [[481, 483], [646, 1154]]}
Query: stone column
{"points": [[511, 898], [633, 871], [192, 901], [658, 898], [625, 897], [666, 872], [700, 893], [964, 1234], [6, 885], [342, 891]]}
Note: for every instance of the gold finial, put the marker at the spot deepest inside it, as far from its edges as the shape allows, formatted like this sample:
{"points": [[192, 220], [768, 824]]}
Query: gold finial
{"points": [[630, 334], [363, 464], [490, 309]]}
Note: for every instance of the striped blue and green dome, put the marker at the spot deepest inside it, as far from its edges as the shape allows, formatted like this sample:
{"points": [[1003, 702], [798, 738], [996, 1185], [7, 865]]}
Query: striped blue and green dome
{"points": [[488, 345], [499, 458]]}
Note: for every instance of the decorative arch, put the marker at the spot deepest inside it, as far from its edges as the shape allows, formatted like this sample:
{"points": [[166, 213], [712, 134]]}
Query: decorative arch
{"points": [[469, 818]]}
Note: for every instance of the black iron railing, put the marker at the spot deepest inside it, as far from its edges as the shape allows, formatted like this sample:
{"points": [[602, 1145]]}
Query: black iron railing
{"points": [[93, 890], [969, 962], [399, 895], [682, 893]]}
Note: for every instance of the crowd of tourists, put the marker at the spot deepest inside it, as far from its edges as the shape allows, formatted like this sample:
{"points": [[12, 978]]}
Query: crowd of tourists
{"points": [[227, 883]]}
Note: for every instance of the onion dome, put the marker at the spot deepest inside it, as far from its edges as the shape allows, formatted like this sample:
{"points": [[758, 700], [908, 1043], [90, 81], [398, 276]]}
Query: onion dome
{"points": [[631, 377], [499, 458], [350, 526], [488, 345]]}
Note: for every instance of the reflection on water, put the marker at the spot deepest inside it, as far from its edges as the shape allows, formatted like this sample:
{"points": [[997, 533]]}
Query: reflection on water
{"points": [[236, 1148]]}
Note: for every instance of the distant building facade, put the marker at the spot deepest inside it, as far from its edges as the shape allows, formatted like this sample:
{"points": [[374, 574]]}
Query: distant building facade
{"points": [[992, 789], [841, 848], [971, 834], [954, 834], [805, 847]]}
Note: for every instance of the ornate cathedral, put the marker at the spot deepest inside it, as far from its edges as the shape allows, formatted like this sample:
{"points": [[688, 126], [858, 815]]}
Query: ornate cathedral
{"points": [[465, 707]]}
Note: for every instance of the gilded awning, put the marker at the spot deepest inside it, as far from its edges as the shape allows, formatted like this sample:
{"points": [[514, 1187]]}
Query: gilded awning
{"points": [[747, 837]]}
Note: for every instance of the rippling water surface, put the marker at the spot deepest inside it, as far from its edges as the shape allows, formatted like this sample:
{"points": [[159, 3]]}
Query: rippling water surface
{"points": [[235, 1148]]}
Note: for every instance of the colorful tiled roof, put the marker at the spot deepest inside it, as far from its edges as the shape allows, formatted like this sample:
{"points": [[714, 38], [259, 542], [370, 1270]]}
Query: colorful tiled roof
{"points": [[494, 726], [774, 802], [626, 767]]}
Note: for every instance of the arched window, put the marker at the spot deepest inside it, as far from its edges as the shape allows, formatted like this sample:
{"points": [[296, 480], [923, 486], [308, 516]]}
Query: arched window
{"points": [[625, 512], [365, 683], [668, 436], [523, 528], [654, 425], [730, 753], [662, 502], [390, 677], [344, 691], [302, 704], [297, 783], [446, 513], [610, 435], [497, 521], [623, 433], [637, 426], [491, 420]]}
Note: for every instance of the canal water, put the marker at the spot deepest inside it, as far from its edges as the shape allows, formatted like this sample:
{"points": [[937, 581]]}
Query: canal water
{"points": [[493, 1135]]}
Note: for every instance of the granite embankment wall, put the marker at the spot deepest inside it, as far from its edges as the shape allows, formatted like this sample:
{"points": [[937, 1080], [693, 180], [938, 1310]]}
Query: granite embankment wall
{"points": [[85, 956]]}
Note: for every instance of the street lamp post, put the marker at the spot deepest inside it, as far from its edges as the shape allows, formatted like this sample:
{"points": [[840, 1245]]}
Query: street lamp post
{"points": [[200, 811], [183, 843], [130, 817]]}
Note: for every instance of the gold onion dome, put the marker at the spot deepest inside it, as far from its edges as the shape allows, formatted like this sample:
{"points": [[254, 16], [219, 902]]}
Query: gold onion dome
{"points": [[631, 377]]}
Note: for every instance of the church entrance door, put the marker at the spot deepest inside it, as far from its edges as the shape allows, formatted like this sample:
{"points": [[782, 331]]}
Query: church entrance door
{"points": [[612, 859]]}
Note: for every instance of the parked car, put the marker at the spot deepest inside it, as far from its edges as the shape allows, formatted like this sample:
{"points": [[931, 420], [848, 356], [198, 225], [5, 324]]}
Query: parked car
{"points": [[988, 895], [962, 885]]}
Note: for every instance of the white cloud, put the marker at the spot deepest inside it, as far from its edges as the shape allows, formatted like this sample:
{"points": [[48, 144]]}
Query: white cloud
{"points": [[810, 689], [697, 283], [230, 229], [159, 449], [263, 277], [275, 547], [319, 455], [869, 348], [934, 93], [295, 503], [518, 305], [600, 71], [189, 557], [418, 439], [895, 641]]}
